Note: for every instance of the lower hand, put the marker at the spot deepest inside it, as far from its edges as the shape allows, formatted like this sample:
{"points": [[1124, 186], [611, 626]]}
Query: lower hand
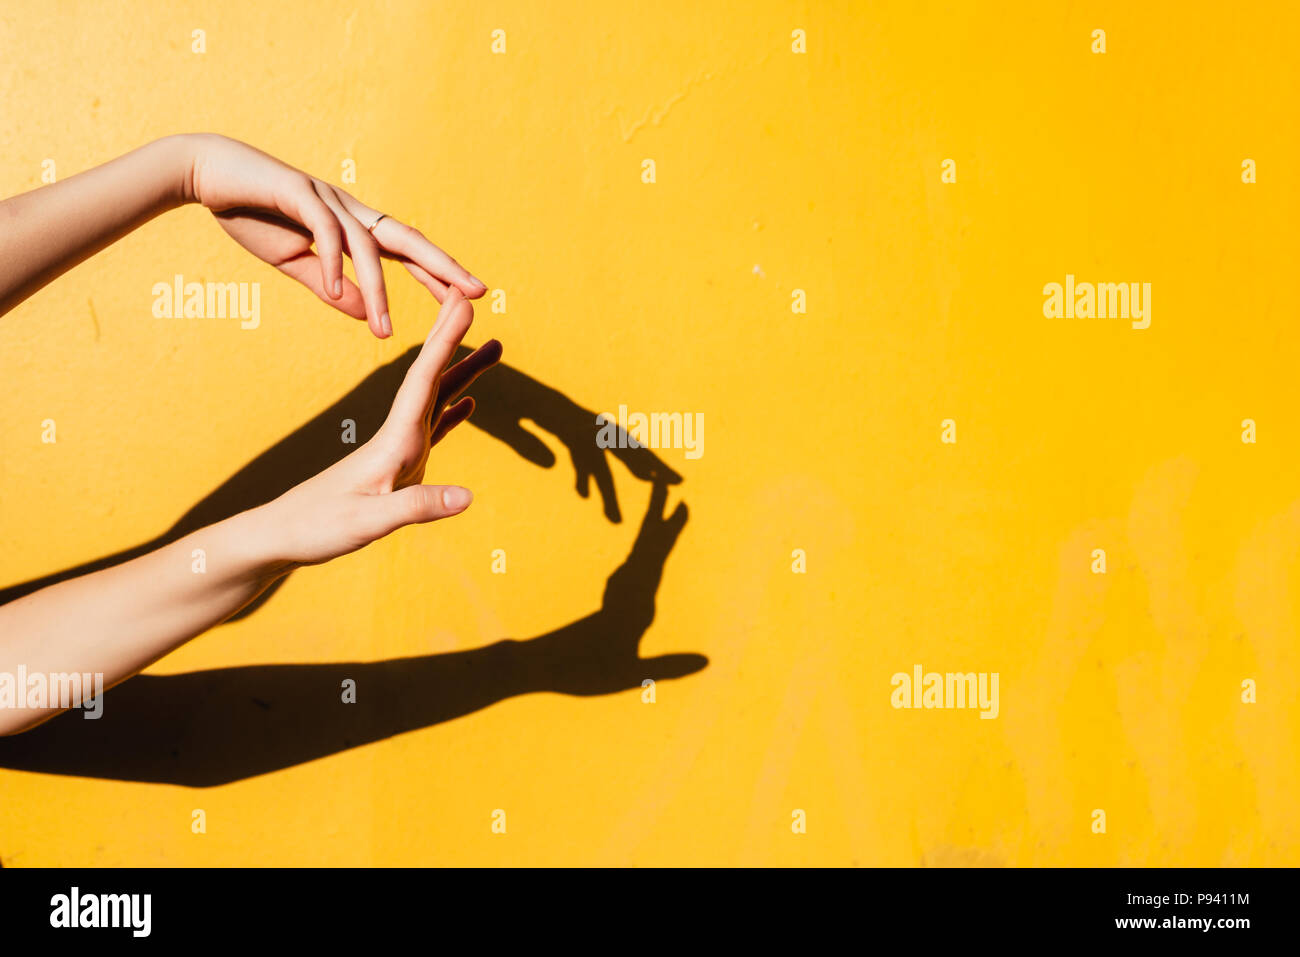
{"points": [[377, 489]]}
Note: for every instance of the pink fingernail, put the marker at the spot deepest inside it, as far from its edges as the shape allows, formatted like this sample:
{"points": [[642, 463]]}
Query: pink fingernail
{"points": [[385, 326], [456, 499]]}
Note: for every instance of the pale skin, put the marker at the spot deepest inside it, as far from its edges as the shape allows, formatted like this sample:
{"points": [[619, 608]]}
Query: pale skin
{"points": [[118, 621]]}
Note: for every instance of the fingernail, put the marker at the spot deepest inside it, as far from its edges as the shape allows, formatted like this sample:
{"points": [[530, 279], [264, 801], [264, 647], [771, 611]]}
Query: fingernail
{"points": [[456, 499], [478, 282], [338, 288], [385, 326]]}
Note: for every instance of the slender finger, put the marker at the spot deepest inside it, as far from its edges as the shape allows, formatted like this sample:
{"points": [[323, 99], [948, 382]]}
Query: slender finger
{"points": [[665, 667], [451, 418], [458, 377], [405, 240], [654, 512], [581, 480], [421, 382], [306, 269], [436, 287], [462, 375], [365, 260], [414, 504], [605, 485], [311, 210]]}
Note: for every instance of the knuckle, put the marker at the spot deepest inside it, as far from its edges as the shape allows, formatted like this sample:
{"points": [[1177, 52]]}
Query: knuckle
{"points": [[423, 502]]}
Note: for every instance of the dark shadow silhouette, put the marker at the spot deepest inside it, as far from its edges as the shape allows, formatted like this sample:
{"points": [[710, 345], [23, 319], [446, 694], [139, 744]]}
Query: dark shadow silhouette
{"points": [[505, 398], [212, 727]]}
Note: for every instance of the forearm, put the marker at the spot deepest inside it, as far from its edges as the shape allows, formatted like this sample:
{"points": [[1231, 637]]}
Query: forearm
{"points": [[47, 231], [115, 622], [118, 621]]}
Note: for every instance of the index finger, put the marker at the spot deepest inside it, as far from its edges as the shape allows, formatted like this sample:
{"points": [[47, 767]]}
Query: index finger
{"points": [[421, 383], [407, 241]]}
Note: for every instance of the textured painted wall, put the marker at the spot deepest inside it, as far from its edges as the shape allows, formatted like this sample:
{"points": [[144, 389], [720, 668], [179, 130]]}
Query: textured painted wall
{"points": [[775, 171]]}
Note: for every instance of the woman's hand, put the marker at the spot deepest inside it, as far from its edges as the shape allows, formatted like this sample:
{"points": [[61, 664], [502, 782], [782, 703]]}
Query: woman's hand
{"points": [[276, 212], [377, 489], [116, 621]]}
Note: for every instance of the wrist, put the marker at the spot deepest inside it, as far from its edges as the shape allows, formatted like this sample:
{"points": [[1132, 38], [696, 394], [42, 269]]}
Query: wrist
{"points": [[264, 542], [180, 155]]}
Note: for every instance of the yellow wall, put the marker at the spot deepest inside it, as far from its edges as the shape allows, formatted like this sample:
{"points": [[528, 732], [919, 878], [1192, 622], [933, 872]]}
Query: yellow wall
{"points": [[775, 171]]}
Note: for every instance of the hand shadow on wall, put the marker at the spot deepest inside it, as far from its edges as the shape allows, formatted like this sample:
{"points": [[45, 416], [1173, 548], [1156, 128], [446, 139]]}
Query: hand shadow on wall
{"points": [[213, 727], [505, 398]]}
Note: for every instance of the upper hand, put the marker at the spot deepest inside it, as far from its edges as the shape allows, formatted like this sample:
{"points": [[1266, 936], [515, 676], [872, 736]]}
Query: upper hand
{"points": [[276, 212]]}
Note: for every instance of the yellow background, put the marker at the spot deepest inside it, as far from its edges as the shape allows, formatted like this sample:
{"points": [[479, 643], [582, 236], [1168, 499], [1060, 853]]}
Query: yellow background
{"points": [[775, 171]]}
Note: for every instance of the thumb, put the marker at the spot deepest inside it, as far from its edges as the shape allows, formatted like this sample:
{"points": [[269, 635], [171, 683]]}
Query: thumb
{"points": [[665, 667], [416, 504]]}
